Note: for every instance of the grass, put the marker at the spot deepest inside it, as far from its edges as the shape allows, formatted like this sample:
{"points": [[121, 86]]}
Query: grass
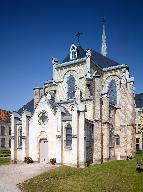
{"points": [[4, 161], [115, 176]]}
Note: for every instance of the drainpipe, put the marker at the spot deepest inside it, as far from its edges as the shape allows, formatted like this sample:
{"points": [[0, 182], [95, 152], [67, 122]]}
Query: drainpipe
{"points": [[61, 141], [77, 138], [101, 103]]}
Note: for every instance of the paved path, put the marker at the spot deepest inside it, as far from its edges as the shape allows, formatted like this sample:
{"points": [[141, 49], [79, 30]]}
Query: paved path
{"points": [[12, 174]]}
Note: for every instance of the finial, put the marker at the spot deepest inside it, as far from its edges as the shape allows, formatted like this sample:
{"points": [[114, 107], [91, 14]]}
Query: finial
{"points": [[104, 46], [78, 37]]}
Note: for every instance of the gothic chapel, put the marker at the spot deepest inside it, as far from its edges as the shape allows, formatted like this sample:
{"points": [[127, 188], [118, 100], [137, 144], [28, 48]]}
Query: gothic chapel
{"points": [[84, 115]]}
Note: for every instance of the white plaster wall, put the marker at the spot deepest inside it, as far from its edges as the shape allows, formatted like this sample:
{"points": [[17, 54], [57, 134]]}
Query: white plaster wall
{"points": [[49, 130]]}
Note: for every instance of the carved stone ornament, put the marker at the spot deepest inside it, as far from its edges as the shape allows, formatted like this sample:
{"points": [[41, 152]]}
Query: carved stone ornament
{"points": [[43, 117]]}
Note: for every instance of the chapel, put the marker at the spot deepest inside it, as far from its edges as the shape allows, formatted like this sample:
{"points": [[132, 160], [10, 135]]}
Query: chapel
{"points": [[84, 115]]}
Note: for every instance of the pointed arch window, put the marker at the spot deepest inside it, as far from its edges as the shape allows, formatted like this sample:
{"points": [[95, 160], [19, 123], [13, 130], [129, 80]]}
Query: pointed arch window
{"points": [[68, 130], [20, 137], [112, 92], [71, 87]]}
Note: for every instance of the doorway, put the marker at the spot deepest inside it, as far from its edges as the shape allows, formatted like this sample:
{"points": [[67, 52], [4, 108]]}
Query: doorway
{"points": [[43, 151]]}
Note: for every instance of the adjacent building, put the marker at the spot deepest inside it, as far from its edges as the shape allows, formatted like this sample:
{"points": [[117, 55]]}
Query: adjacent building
{"points": [[5, 129], [139, 121]]}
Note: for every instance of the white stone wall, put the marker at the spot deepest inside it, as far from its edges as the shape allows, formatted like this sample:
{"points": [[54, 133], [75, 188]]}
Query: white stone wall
{"points": [[47, 131]]}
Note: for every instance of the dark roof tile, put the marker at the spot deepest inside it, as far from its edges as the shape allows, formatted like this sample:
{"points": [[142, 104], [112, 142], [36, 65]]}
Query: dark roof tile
{"points": [[98, 58]]}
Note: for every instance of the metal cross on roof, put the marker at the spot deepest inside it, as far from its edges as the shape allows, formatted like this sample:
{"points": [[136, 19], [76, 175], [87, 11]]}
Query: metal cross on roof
{"points": [[103, 20], [78, 36]]}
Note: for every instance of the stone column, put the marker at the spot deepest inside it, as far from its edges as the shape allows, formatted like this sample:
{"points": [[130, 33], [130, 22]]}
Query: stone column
{"points": [[88, 61], [54, 62], [97, 118], [131, 119], [14, 137], [25, 133], [105, 127], [81, 159]]}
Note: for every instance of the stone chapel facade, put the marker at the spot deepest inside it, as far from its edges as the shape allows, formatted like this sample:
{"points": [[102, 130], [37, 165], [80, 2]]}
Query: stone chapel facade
{"points": [[84, 115]]}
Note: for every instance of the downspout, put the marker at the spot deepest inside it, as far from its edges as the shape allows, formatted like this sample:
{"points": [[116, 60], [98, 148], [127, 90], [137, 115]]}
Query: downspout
{"points": [[77, 138], [61, 140], [101, 102], [15, 142]]}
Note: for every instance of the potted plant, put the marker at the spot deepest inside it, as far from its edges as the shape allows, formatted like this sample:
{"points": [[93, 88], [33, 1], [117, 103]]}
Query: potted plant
{"points": [[28, 160], [53, 161]]}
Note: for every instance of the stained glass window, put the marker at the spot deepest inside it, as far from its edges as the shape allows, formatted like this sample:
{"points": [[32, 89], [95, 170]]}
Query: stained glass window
{"points": [[71, 87], [68, 135], [112, 92]]}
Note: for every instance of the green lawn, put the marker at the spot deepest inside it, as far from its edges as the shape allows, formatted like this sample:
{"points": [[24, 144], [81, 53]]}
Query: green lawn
{"points": [[115, 176], [4, 161]]}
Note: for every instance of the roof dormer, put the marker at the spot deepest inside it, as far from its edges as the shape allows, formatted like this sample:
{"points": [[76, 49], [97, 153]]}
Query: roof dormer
{"points": [[73, 52]]}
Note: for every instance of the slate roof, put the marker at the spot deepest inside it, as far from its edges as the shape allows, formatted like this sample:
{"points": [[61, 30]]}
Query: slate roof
{"points": [[28, 107], [139, 100], [98, 58], [80, 54]]}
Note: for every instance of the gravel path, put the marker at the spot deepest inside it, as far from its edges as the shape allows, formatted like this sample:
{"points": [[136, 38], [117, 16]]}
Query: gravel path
{"points": [[12, 174]]}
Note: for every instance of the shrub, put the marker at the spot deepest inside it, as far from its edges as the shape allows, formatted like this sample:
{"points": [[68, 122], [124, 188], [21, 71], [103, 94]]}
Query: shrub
{"points": [[53, 161], [28, 160], [4, 151], [129, 157]]}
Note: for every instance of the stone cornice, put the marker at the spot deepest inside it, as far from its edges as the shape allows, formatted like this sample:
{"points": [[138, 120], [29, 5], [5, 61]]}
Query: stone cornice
{"points": [[115, 67], [70, 63]]}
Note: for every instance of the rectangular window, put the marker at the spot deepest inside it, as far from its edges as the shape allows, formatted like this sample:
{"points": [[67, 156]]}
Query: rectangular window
{"points": [[117, 140], [137, 140], [137, 147], [9, 130], [2, 142], [68, 136], [2, 130]]}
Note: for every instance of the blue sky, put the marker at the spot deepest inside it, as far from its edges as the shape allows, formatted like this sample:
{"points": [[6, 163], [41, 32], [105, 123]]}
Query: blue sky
{"points": [[33, 31]]}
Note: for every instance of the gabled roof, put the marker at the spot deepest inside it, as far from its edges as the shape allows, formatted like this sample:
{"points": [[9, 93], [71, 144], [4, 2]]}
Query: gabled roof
{"points": [[139, 100], [28, 107], [97, 58]]}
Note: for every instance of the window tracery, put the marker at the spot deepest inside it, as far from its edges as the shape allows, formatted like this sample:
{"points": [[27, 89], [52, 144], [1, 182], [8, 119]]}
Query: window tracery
{"points": [[68, 141], [70, 87], [112, 92], [73, 52], [20, 137]]}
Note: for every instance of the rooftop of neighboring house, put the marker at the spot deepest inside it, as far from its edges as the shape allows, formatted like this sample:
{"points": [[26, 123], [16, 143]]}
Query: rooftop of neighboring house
{"points": [[4, 115]]}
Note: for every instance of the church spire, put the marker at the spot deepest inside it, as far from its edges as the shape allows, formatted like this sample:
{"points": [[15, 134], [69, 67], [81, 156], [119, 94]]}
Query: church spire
{"points": [[104, 46]]}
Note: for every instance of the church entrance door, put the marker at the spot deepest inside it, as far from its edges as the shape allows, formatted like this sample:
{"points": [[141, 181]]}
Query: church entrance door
{"points": [[44, 151]]}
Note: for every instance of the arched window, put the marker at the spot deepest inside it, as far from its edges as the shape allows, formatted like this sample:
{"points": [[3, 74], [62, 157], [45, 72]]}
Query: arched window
{"points": [[73, 52], [71, 87], [68, 130], [2, 130], [112, 92], [20, 137]]}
